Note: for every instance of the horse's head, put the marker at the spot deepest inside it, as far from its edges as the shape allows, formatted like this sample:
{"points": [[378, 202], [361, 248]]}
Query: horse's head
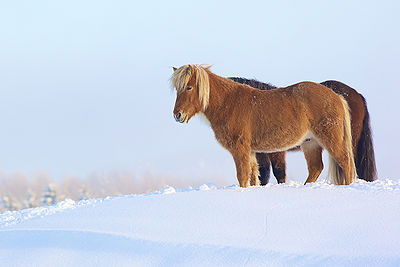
{"points": [[192, 87]]}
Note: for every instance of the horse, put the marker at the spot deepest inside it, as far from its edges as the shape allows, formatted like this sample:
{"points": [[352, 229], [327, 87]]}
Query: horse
{"points": [[246, 121], [363, 149]]}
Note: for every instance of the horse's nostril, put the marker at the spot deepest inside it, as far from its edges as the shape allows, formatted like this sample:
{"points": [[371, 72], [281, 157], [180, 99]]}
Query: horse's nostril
{"points": [[178, 115]]}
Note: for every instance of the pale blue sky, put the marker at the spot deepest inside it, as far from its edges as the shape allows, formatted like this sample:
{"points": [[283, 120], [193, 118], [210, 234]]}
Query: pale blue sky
{"points": [[84, 85]]}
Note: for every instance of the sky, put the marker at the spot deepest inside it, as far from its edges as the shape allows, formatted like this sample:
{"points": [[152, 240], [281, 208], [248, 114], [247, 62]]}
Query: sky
{"points": [[84, 85]]}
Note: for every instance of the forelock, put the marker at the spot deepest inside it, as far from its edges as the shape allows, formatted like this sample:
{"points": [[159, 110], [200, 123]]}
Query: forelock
{"points": [[182, 75]]}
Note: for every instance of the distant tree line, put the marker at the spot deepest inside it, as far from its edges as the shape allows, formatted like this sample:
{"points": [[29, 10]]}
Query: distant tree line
{"points": [[17, 191]]}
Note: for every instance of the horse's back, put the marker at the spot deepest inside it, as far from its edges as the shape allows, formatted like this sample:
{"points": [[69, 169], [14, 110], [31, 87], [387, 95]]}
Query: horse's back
{"points": [[309, 89], [321, 103], [313, 95], [298, 103]]}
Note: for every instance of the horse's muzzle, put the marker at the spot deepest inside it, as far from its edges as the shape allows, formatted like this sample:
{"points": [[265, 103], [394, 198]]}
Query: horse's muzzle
{"points": [[179, 117]]}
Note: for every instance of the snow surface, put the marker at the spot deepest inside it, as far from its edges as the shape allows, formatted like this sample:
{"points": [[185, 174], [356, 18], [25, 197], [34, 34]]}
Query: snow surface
{"points": [[278, 225]]}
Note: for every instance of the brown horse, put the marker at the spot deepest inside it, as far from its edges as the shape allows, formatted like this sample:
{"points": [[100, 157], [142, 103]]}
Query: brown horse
{"points": [[246, 121], [363, 149]]}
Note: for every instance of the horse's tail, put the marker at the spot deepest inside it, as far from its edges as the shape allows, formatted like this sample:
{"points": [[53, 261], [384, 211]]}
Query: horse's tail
{"points": [[365, 158], [336, 172]]}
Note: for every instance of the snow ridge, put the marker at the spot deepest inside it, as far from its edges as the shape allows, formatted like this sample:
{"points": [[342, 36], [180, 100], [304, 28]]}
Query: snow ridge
{"points": [[316, 224], [14, 217]]}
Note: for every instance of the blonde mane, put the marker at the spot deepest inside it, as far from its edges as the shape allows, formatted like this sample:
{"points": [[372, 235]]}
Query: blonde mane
{"points": [[182, 75]]}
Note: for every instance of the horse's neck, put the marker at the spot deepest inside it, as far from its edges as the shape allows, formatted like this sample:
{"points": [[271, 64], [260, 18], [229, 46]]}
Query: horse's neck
{"points": [[221, 90]]}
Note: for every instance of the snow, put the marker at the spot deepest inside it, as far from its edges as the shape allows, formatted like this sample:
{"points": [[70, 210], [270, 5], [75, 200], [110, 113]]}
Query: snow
{"points": [[276, 225]]}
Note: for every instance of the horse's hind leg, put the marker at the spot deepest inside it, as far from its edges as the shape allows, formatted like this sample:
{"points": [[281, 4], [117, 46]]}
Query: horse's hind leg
{"points": [[341, 158], [340, 165], [263, 167], [278, 162], [313, 154]]}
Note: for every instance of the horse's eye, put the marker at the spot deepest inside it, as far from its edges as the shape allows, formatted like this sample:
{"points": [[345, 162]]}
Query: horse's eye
{"points": [[189, 88]]}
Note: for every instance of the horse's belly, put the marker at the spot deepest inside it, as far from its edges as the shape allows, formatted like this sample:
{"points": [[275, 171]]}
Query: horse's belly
{"points": [[276, 143]]}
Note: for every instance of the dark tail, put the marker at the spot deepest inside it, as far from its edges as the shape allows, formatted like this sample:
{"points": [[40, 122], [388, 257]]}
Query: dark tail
{"points": [[365, 158]]}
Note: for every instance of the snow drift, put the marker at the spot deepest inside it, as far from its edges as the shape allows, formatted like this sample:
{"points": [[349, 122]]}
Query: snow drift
{"points": [[286, 224]]}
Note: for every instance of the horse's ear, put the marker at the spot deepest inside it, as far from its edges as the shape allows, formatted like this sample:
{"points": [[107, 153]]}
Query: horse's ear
{"points": [[174, 68]]}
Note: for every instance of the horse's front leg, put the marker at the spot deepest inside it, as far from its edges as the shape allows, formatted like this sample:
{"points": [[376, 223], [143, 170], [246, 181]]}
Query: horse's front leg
{"points": [[242, 162], [278, 162], [264, 167]]}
